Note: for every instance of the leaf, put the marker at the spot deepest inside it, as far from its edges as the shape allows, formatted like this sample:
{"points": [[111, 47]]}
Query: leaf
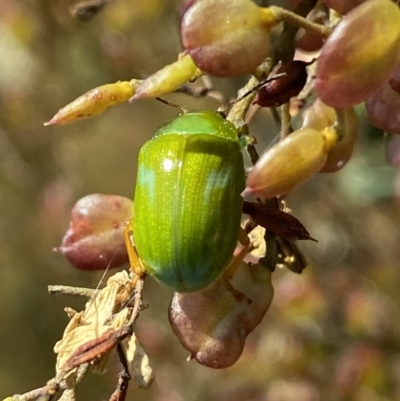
{"points": [[278, 222], [280, 91], [138, 362]]}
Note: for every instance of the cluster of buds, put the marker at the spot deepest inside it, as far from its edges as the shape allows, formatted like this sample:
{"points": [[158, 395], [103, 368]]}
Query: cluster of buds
{"points": [[230, 40]]}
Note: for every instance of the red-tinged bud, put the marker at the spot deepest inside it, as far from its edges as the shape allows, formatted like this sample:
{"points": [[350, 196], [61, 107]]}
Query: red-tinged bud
{"points": [[186, 4], [226, 39], [288, 163], [349, 71], [341, 152], [279, 91], [383, 109], [212, 325], [308, 41], [394, 81], [94, 102], [168, 79], [95, 239]]}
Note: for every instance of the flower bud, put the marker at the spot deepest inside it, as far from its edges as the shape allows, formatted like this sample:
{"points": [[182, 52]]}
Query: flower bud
{"points": [[394, 80], [383, 109], [168, 79], [95, 239], [306, 40], [288, 163], [351, 65], [226, 39], [94, 102], [318, 116], [212, 325]]}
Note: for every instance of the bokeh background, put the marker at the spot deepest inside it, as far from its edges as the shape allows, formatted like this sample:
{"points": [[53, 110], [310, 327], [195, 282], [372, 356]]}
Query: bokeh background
{"points": [[332, 333]]}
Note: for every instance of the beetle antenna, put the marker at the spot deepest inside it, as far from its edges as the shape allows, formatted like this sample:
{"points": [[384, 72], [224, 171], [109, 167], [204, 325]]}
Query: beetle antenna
{"points": [[260, 84], [169, 103]]}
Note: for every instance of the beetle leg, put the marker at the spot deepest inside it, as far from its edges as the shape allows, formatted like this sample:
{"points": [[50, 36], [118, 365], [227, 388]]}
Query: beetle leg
{"points": [[134, 260], [233, 266], [135, 264], [238, 258]]}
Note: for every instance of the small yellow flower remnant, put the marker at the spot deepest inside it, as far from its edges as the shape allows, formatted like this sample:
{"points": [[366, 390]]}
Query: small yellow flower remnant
{"points": [[95, 101]]}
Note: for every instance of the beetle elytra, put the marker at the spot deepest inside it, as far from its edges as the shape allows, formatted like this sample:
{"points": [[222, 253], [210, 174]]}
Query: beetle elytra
{"points": [[188, 204]]}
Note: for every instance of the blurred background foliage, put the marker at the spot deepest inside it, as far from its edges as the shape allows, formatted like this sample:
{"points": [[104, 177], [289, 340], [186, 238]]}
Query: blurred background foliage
{"points": [[332, 333]]}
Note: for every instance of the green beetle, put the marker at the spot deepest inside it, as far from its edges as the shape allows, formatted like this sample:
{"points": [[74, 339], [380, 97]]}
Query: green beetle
{"points": [[187, 206]]}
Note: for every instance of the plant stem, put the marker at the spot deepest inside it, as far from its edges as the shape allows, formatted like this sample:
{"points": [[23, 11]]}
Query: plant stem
{"points": [[68, 290], [300, 22]]}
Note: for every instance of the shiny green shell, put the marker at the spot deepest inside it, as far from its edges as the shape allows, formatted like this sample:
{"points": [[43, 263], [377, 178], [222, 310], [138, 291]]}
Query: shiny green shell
{"points": [[187, 205]]}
